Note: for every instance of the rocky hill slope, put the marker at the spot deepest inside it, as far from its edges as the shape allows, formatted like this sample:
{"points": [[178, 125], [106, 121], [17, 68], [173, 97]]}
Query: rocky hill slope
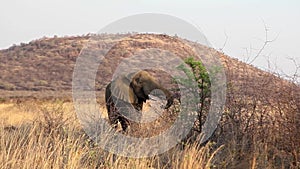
{"points": [[44, 67]]}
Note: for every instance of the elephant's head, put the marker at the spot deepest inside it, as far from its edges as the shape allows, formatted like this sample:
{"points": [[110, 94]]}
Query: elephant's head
{"points": [[143, 83], [136, 87]]}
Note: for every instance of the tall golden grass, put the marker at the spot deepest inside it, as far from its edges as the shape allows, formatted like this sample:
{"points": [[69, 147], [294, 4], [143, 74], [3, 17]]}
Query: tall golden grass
{"points": [[47, 134], [51, 137]]}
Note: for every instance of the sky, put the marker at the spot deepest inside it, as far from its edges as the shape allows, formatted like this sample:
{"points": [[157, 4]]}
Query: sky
{"points": [[237, 27]]}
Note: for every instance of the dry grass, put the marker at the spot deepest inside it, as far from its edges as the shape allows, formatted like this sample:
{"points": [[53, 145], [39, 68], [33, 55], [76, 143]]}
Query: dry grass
{"points": [[48, 135]]}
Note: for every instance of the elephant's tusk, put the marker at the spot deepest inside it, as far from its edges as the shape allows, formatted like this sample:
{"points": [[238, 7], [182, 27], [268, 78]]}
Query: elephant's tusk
{"points": [[152, 97]]}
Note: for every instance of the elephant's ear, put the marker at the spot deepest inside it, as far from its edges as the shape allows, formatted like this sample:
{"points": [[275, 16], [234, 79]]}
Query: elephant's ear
{"points": [[120, 89]]}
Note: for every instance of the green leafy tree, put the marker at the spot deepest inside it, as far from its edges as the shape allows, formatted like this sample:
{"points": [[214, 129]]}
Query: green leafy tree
{"points": [[196, 72]]}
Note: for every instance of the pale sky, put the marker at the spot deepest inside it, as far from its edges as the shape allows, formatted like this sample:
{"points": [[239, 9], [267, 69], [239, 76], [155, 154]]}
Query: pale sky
{"points": [[241, 20]]}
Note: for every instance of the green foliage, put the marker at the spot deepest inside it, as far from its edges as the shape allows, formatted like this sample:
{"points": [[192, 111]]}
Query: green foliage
{"points": [[200, 74], [196, 72]]}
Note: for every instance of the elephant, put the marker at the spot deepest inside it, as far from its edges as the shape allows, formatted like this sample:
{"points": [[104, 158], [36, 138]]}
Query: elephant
{"points": [[125, 95]]}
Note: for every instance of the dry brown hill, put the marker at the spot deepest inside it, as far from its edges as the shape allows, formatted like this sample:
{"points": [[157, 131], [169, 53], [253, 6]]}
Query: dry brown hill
{"points": [[44, 67], [41, 65]]}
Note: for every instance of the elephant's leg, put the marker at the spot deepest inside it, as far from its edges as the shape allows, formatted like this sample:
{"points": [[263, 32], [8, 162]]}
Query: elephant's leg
{"points": [[113, 114], [138, 106], [124, 111], [124, 123], [113, 118]]}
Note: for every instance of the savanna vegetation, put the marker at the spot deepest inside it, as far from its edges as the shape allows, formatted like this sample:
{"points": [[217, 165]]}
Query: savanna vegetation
{"points": [[259, 127]]}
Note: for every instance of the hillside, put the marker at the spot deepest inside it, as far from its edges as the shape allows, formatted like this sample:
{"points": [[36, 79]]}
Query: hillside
{"points": [[44, 67], [41, 65]]}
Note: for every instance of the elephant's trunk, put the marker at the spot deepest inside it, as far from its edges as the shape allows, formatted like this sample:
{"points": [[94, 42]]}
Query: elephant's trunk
{"points": [[167, 93], [169, 97]]}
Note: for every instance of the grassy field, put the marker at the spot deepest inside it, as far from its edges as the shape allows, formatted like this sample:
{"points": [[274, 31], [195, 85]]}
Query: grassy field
{"points": [[48, 135]]}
